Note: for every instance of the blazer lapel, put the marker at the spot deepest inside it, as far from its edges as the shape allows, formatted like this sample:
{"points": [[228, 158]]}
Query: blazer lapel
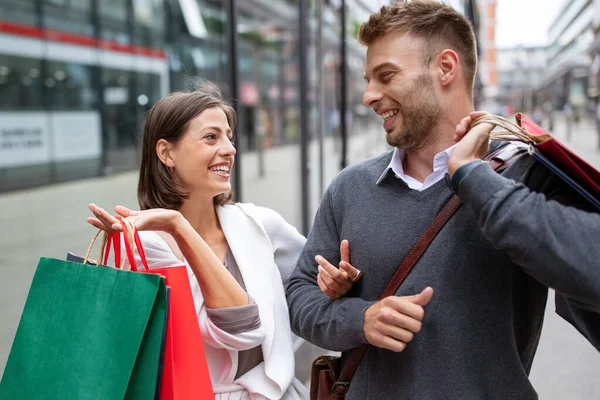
{"points": [[254, 256]]}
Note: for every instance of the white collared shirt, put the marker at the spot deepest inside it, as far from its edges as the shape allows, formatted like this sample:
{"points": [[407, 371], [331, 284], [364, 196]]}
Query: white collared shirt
{"points": [[440, 167]]}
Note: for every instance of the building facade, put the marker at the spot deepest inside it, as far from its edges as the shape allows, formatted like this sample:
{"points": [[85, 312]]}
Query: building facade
{"points": [[78, 76], [566, 78]]}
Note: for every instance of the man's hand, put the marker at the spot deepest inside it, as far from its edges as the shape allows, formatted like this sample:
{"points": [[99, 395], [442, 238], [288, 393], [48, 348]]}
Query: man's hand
{"points": [[392, 322], [472, 144]]}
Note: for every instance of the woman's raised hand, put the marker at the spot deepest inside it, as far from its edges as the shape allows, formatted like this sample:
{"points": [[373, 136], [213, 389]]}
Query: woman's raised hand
{"points": [[336, 282], [157, 219]]}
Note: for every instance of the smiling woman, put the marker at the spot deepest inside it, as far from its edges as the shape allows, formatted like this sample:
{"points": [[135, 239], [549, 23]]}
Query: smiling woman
{"points": [[238, 256], [181, 131]]}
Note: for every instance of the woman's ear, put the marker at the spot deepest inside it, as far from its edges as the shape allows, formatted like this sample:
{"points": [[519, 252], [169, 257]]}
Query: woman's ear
{"points": [[163, 151]]}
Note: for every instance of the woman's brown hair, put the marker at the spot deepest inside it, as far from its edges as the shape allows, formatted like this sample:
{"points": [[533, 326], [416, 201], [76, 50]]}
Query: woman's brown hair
{"points": [[168, 119]]}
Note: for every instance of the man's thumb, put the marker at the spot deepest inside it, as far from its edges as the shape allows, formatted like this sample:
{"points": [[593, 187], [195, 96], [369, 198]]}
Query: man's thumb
{"points": [[424, 297]]}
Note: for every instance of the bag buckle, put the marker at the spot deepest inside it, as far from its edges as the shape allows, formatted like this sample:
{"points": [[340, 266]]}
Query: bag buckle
{"points": [[340, 388]]}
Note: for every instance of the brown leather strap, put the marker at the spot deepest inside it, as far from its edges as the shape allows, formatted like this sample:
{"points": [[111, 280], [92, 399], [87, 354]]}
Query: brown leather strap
{"points": [[499, 161]]}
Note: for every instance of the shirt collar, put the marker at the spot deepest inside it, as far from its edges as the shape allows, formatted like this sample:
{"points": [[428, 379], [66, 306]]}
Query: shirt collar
{"points": [[440, 162]]}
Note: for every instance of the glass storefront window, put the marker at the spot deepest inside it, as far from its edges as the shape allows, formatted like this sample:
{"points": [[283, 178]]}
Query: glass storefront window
{"points": [[149, 23], [113, 14], [19, 11], [73, 17], [20, 83], [69, 86]]}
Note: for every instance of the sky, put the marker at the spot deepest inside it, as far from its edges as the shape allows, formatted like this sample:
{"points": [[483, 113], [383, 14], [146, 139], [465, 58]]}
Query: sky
{"points": [[525, 22]]}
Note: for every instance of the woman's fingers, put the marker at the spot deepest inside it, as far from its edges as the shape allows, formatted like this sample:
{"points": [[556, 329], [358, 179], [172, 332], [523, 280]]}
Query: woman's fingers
{"points": [[105, 219], [352, 273], [126, 212], [332, 294], [333, 272], [345, 250]]}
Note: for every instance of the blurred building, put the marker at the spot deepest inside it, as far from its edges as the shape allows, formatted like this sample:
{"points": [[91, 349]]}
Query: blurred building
{"points": [[487, 61], [77, 76], [520, 72], [570, 35], [594, 82]]}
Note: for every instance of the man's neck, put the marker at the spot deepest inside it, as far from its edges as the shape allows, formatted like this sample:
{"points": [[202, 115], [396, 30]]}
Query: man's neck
{"points": [[418, 163]]}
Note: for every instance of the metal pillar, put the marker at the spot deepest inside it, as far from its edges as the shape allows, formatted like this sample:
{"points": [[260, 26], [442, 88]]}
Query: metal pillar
{"points": [[304, 109], [234, 91], [344, 89]]}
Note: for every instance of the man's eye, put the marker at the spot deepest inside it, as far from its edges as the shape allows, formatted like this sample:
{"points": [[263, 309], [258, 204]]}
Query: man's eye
{"points": [[385, 75]]}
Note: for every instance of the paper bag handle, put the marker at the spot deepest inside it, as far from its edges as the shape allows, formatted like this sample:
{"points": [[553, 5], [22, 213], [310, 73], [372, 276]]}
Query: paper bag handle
{"points": [[513, 131], [105, 239], [129, 233]]}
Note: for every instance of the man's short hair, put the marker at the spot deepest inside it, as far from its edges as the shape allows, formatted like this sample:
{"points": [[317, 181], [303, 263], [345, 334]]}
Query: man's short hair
{"points": [[438, 24]]}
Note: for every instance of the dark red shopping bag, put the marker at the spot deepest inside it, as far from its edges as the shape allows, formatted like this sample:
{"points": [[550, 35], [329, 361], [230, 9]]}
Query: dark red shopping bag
{"points": [[185, 374], [549, 151], [563, 161]]}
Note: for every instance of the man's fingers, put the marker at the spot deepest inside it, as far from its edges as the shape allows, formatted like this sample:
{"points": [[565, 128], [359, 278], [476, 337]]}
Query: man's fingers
{"points": [[345, 250], [400, 320], [463, 126], [476, 114], [392, 344], [333, 272], [423, 298], [353, 274], [398, 333], [405, 305]]}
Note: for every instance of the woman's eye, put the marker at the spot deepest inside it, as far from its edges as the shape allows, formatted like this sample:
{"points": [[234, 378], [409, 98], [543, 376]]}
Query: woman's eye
{"points": [[210, 136]]}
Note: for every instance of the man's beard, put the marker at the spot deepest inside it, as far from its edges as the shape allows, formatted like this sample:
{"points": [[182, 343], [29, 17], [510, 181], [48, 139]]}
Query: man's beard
{"points": [[420, 114]]}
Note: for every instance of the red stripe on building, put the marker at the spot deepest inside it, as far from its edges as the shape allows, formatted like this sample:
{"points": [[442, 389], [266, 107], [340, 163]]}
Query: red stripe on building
{"points": [[80, 40]]}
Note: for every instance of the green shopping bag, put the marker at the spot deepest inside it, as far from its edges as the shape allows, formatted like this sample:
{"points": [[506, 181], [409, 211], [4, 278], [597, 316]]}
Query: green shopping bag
{"points": [[87, 332]]}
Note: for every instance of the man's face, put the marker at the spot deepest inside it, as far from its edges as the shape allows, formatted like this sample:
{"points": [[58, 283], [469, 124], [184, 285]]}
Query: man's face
{"points": [[401, 90]]}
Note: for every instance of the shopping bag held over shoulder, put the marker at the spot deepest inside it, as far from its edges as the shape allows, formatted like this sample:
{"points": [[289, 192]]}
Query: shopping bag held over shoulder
{"points": [[556, 156]]}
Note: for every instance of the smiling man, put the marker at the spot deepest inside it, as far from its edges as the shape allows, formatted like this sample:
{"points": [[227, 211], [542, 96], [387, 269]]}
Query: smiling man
{"points": [[466, 321]]}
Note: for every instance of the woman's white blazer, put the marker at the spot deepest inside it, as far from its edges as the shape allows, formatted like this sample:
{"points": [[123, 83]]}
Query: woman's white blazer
{"points": [[266, 249]]}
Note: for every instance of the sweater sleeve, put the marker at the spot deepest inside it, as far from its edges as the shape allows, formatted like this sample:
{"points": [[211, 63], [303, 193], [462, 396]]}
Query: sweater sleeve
{"points": [[159, 255], [541, 230], [332, 324]]}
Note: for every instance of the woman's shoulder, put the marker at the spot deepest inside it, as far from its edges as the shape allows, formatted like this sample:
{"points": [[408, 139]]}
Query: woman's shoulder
{"points": [[266, 216]]}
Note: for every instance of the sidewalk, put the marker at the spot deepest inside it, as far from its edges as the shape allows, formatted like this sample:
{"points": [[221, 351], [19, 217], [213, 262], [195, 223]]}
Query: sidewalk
{"points": [[584, 138]]}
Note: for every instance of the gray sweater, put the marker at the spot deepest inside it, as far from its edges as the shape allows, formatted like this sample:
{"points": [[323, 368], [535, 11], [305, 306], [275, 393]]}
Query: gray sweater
{"points": [[489, 267]]}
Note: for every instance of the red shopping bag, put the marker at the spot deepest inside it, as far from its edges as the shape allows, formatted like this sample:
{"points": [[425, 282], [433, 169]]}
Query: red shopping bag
{"points": [[563, 158], [185, 374]]}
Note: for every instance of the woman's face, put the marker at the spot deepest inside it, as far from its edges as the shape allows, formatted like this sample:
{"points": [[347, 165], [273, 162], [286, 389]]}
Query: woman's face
{"points": [[203, 157]]}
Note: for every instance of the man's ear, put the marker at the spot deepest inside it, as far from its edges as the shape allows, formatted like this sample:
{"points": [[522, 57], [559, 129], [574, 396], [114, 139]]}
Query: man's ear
{"points": [[163, 151], [448, 66]]}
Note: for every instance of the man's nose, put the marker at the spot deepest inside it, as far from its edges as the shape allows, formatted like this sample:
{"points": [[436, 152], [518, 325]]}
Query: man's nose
{"points": [[371, 95]]}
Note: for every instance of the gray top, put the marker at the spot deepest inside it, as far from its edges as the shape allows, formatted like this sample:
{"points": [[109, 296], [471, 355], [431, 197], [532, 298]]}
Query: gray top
{"points": [[489, 267], [238, 319]]}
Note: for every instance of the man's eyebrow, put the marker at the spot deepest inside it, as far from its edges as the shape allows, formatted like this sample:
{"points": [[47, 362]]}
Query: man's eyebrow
{"points": [[380, 67]]}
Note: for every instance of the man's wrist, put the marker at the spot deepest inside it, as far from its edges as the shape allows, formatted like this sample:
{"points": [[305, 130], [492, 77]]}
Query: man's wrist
{"points": [[462, 172]]}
